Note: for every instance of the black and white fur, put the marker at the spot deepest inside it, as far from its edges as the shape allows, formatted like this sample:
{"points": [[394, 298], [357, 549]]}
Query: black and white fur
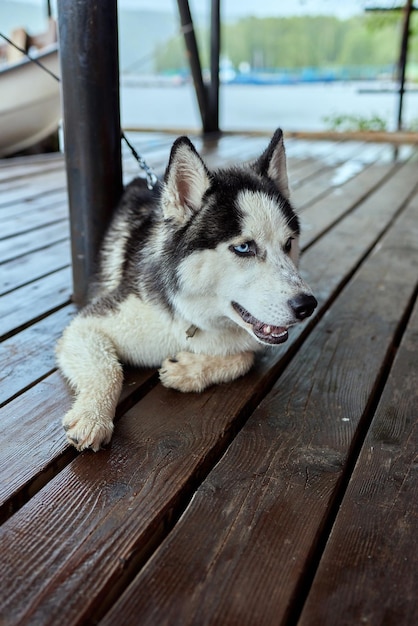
{"points": [[194, 277]]}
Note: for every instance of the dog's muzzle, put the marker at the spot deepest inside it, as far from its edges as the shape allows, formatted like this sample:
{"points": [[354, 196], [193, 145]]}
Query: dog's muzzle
{"points": [[265, 332], [302, 306]]}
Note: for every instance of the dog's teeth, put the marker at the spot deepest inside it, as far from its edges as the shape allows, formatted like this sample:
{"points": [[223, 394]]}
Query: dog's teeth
{"points": [[267, 330]]}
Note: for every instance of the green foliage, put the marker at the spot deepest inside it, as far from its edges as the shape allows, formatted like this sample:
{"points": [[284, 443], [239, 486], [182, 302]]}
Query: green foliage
{"points": [[283, 42], [413, 125], [346, 122], [413, 39], [170, 56], [361, 46], [295, 42]]}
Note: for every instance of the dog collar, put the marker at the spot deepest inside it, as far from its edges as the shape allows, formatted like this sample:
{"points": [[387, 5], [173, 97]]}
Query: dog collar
{"points": [[191, 331]]}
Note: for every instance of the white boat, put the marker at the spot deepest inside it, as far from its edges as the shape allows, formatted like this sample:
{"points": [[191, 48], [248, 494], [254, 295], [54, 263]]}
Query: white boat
{"points": [[30, 105]]}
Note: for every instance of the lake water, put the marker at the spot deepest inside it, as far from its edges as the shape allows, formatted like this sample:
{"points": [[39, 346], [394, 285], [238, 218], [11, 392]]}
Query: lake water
{"points": [[293, 107]]}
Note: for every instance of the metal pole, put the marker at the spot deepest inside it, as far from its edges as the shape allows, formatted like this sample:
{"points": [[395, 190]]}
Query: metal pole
{"points": [[212, 118], [90, 89], [402, 59], [194, 60]]}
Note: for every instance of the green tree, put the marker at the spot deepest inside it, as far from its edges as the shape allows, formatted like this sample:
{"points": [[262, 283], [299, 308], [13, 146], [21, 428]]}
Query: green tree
{"points": [[296, 42]]}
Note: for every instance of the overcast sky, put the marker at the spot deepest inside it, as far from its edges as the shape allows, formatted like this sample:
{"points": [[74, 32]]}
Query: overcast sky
{"points": [[232, 8]]}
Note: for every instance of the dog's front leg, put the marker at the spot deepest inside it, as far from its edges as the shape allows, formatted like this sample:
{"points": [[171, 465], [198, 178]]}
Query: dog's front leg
{"points": [[88, 359], [194, 372]]}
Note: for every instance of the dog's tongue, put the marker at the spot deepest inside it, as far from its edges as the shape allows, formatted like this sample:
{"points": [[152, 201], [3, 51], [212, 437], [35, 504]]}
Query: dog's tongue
{"points": [[271, 334]]}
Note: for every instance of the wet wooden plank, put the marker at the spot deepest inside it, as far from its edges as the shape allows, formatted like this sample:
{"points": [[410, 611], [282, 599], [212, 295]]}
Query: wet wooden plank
{"points": [[243, 550], [31, 205], [110, 509], [37, 436], [25, 188], [318, 182], [358, 170], [215, 152], [23, 167], [33, 216], [25, 269], [164, 445], [105, 511], [29, 356], [25, 305], [232, 149], [18, 312], [325, 268], [320, 214], [358, 231], [18, 245], [369, 571]]}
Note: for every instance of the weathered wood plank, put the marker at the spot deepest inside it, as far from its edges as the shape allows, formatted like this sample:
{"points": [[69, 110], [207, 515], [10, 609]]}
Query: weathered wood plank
{"points": [[267, 501], [33, 204], [30, 267], [321, 262], [25, 305], [369, 571], [217, 152], [29, 356], [34, 217], [16, 246], [110, 508], [368, 154], [342, 178], [225, 150], [338, 168], [359, 226], [20, 189], [320, 214], [148, 454], [35, 165], [37, 436], [105, 511], [325, 268], [233, 149]]}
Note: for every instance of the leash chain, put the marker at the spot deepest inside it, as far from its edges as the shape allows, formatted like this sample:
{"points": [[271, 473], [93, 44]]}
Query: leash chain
{"points": [[151, 177]]}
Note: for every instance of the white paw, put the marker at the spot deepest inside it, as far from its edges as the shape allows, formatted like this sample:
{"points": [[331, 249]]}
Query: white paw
{"points": [[86, 429], [184, 372]]}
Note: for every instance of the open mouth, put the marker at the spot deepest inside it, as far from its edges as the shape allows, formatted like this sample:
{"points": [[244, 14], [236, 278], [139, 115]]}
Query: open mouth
{"points": [[265, 332]]}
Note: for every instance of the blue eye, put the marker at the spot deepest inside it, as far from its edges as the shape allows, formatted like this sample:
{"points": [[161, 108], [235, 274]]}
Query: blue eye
{"points": [[248, 248]]}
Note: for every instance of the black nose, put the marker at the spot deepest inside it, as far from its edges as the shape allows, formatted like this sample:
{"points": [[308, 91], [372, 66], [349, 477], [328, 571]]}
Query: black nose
{"points": [[303, 305]]}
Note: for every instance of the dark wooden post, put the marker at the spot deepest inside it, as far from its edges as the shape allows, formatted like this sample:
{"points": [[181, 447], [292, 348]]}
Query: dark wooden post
{"points": [[90, 89]]}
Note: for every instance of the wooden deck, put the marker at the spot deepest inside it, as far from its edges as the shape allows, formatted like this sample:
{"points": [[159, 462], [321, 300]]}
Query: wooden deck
{"points": [[289, 496]]}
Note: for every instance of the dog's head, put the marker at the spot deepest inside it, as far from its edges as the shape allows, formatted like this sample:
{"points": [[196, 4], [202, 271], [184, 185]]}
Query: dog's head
{"points": [[234, 243]]}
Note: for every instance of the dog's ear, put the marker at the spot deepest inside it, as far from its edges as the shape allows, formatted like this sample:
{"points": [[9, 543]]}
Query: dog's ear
{"points": [[272, 163], [186, 180]]}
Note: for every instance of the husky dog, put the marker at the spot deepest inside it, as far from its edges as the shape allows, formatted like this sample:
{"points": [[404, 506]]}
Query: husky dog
{"points": [[194, 276]]}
